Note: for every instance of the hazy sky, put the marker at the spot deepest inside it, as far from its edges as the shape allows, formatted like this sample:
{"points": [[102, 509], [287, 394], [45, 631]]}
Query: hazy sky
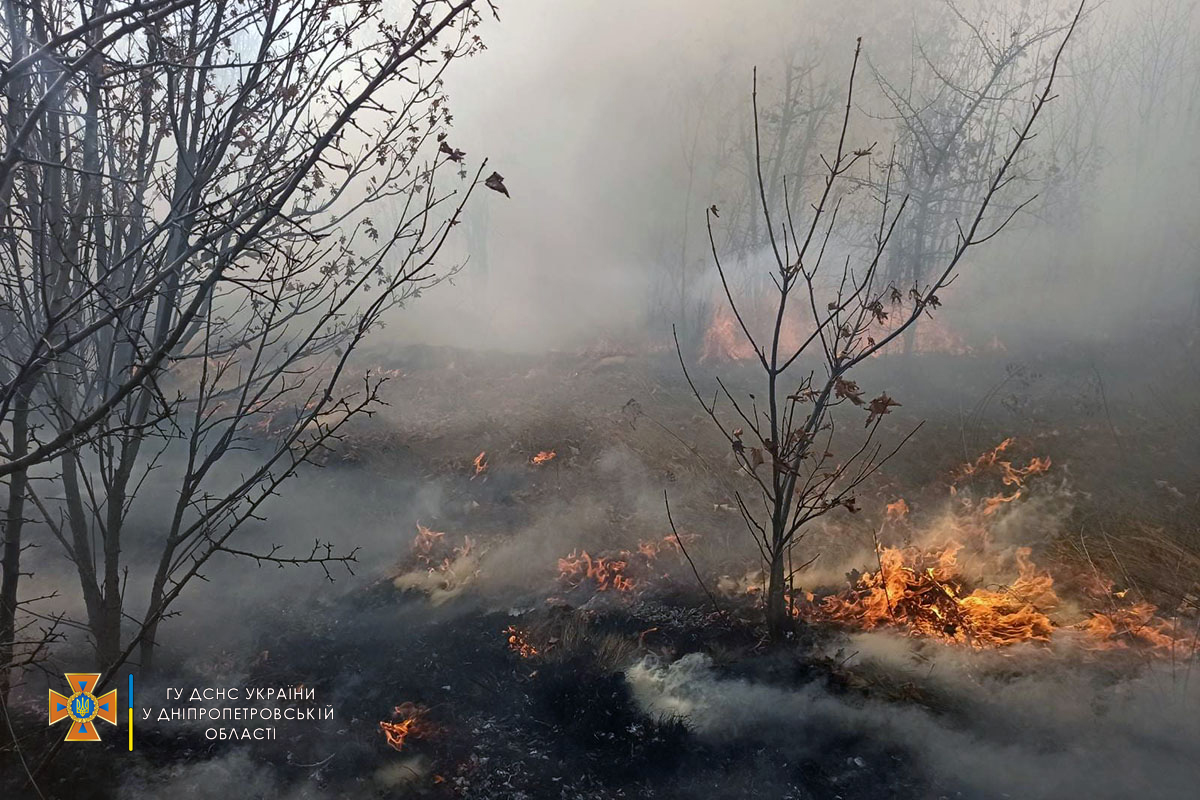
{"points": [[587, 107]]}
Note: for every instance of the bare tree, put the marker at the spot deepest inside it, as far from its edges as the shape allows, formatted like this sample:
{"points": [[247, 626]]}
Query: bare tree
{"points": [[1156, 49], [209, 206], [960, 97], [39, 61], [784, 438], [789, 132]]}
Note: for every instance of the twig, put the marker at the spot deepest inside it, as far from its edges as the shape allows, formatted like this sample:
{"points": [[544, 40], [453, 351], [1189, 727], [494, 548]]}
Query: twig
{"points": [[682, 549], [882, 577], [1104, 400], [17, 747]]}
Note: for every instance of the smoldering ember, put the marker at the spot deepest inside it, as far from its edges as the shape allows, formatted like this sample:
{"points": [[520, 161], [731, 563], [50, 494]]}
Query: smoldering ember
{"points": [[667, 399]]}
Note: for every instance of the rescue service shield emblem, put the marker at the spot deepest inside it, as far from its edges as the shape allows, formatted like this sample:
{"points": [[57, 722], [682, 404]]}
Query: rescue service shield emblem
{"points": [[83, 707]]}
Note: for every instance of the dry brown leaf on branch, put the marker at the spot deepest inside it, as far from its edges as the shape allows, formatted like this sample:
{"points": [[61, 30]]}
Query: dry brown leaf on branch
{"points": [[495, 182], [848, 390], [878, 312], [453, 153], [879, 406]]}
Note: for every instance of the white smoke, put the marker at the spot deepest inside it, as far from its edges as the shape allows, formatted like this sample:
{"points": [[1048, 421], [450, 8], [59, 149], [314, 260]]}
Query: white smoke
{"points": [[1040, 734]]}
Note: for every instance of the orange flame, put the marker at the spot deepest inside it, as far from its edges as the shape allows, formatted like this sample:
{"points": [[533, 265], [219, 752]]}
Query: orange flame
{"points": [[651, 548], [993, 503], [1136, 625], [518, 642], [480, 463], [723, 339], [543, 457], [923, 593], [931, 335], [407, 722], [622, 571], [927, 594], [425, 542], [432, 552], [1009, 475], [604, 573], [1016, 476], [986, 460], [897, 510], [458, 553]]}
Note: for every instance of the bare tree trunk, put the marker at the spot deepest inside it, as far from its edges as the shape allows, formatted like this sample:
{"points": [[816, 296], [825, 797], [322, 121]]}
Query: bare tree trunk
{"points": [[916, 267], [14, 520], [157, 591], [779, 620], [108, 633], [81, 546]]}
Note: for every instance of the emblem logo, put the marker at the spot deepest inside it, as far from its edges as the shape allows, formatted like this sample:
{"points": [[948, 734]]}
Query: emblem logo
{"points": [[83, 707]]}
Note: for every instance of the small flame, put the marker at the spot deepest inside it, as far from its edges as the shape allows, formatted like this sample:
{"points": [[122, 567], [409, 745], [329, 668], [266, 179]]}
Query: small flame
{"points": [[992, 504], [407, 721], [1015, 477], [931, 335], [652, 548], [437, 568], [1138, 624], [518, 642], [724, 340], [543, 457], [425, 542], [605, 573], [622, 571], [481, 464], [897, 510]]}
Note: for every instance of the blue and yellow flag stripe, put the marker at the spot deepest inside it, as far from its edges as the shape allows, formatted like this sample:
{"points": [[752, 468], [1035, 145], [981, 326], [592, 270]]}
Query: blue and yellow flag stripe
{"points": [[131, 712]]}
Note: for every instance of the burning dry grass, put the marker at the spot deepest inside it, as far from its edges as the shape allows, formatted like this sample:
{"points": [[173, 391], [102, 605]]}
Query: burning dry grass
{"points": [[623, 571], [924, 593], [1001, 597], [409, 721], [1013, 477], [438, 569], [959, 583], [725, 341], [518, 642], [602, 573], [962, 577], [559, 634], [1137, 625], [442, 570]]}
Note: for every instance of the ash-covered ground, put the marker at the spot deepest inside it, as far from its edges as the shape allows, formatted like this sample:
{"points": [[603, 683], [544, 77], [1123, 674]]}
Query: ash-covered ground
{"points": [[517, 666]]}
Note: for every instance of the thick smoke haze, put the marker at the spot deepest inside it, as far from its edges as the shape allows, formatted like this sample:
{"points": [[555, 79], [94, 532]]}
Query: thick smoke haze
{"points": [[593, 110], [620, 127], [1038, 737]]}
